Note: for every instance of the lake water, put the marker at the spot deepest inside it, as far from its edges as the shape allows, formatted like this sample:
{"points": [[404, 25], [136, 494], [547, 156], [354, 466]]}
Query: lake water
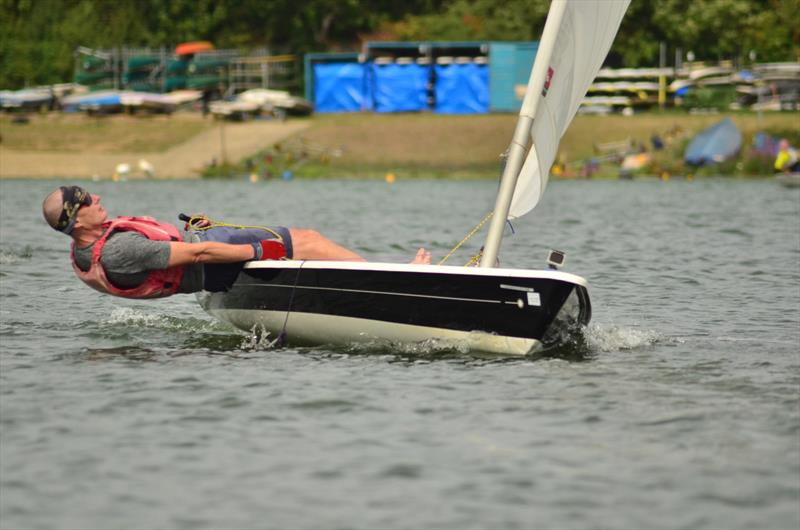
{"points": [[681, 410]]}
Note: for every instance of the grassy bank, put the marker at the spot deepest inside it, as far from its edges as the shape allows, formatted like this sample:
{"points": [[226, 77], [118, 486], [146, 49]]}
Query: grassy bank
{"points": [[411, 145], [120, 133], [406, 145]]}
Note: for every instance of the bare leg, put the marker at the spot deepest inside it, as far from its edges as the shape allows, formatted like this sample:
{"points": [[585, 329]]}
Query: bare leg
{"points": [[310, 244]]}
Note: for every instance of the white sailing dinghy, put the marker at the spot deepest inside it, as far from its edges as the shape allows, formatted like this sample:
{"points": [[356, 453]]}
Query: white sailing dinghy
{"points": [[485, 309]]}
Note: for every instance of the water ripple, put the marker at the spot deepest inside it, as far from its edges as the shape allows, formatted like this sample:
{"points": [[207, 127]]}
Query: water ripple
{"points": [[678, 407], [324, 404]]}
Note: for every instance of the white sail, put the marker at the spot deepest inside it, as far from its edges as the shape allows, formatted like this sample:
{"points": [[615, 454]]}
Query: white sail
{"points": [[559, 82]]}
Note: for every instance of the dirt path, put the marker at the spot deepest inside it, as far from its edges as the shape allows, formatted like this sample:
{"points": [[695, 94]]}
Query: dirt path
{"points": [[182, 161]]}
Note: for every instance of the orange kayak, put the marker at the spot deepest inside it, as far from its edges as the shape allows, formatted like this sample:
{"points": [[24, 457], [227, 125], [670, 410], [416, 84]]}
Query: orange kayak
{"points": [[189, 48]]}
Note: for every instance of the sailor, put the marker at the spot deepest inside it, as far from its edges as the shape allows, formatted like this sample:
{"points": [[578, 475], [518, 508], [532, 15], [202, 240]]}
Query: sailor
{"points": [[140, 257], [787, 159]]}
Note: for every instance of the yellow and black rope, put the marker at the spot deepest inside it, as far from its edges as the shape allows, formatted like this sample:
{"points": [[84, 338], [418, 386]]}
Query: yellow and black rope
{"points": [[476, 258], [213, 224]]}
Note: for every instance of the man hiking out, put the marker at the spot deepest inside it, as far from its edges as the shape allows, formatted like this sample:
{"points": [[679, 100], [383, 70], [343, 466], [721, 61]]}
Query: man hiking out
{"points": [[140, 257]]}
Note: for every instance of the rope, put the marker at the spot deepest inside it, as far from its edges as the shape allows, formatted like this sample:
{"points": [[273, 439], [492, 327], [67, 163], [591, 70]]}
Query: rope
{"points": [[214, 224], [474, 260], [282, 336], [472, 233]]}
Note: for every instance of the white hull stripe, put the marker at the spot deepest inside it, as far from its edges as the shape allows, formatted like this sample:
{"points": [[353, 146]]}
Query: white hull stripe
{"points": [[364, 291], [500, 274]]}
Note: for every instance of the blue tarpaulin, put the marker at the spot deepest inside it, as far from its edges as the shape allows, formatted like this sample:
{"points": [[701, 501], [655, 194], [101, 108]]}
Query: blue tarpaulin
{"points": [[400, 87], [462, 88], [341, 87], [352, 87]]}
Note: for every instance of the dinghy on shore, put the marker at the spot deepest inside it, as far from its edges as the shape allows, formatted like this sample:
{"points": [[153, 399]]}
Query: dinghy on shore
{"points": [[260, 101], [110, 101], [718, 143]]}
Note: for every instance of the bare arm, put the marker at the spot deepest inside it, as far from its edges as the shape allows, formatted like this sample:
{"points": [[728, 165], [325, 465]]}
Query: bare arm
{"points": [[208, 252], [308, 245]]}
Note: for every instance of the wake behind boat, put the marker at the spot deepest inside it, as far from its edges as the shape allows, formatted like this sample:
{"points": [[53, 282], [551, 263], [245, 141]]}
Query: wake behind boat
{"points": [[486, 309]]}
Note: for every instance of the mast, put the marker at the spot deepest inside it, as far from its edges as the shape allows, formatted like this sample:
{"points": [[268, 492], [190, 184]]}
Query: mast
{"points": [[522, 134]]}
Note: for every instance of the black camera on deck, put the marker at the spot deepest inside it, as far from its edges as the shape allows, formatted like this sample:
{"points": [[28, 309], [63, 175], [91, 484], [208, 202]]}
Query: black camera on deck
{"points": [[556, 259]]}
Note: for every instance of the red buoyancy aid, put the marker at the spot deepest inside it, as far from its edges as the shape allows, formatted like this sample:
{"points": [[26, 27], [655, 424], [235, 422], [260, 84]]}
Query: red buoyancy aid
{"points": [[157, 284]]}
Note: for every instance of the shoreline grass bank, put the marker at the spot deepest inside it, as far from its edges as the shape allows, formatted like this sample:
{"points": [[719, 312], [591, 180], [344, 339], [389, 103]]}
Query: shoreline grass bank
{"points": [[374, 145], [470, 147]]}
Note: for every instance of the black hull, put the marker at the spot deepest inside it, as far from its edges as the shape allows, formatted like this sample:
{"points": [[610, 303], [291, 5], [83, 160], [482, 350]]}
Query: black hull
{"points": [[536, 308]]}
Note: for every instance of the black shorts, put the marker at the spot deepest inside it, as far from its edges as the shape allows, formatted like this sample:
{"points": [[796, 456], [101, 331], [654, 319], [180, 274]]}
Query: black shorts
{"points": [[220, 276]]}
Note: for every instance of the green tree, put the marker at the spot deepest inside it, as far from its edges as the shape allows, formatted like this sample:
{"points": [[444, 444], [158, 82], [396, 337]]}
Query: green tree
{"points": [[38, 37], [726, 29], [638, 40], [470, 20]]}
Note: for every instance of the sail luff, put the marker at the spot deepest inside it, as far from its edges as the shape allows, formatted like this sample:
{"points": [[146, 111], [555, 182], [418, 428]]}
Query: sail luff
{"points": [[522, 137], [587, 31]]}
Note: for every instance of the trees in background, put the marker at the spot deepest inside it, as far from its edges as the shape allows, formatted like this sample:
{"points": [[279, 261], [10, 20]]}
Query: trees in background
{"points": [[720, 29], [711, 29], [38, 37]]}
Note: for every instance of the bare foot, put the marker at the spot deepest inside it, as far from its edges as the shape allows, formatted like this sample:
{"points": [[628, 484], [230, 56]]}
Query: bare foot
{"points": [[423, 257]]}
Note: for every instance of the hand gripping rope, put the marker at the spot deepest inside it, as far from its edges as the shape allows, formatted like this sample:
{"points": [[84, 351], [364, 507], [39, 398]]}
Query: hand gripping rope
{"points": [[190, 221]]}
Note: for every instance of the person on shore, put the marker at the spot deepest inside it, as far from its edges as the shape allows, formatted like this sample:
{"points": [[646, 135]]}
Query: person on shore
{"points": [[140, 257], [787, 160]]}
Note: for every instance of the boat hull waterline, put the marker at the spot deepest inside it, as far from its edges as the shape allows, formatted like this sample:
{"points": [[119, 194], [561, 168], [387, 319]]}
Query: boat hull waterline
{"points": [[502, 311]]}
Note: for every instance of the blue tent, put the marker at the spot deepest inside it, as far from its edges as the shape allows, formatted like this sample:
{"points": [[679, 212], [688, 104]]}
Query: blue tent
{"points": [[715, 144], [462, 89], [341, 87], [400, 87]]}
